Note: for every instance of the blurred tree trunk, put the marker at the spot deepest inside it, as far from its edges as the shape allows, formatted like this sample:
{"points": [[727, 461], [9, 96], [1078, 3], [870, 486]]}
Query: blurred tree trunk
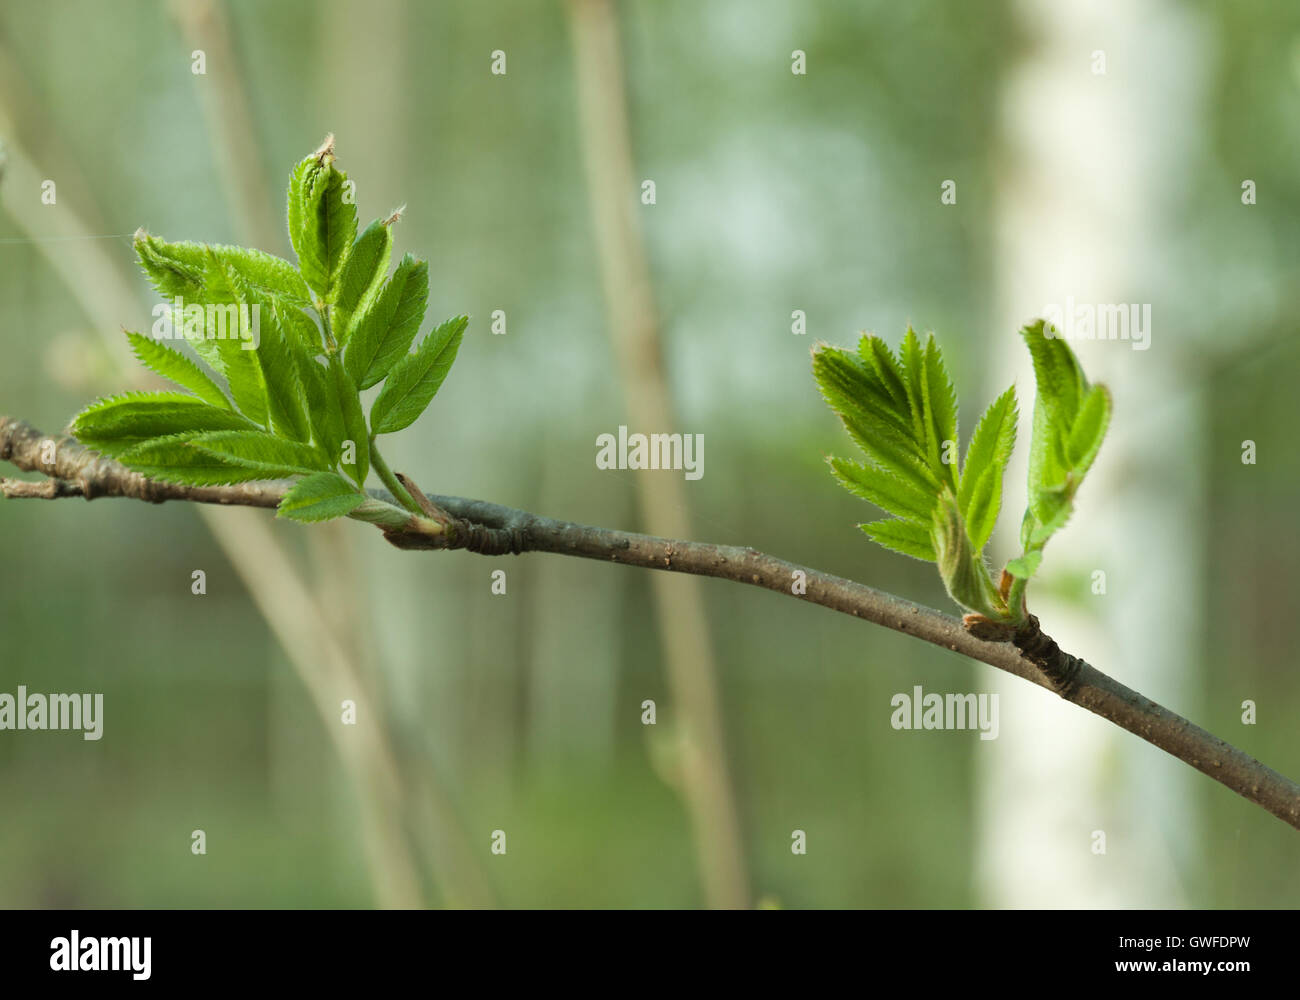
{"points": [[1084, 156]]}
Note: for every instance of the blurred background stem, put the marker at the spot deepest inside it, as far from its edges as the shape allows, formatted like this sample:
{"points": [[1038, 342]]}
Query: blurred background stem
{"points": [[634, 333]]}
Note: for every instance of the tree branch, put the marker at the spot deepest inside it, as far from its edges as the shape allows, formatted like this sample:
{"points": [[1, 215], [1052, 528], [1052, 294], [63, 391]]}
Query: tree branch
{"points": [[491, 529]]}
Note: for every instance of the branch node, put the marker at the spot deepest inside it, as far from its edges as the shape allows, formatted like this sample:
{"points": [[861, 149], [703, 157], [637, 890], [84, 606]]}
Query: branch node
{"points": [[1061, 668]]}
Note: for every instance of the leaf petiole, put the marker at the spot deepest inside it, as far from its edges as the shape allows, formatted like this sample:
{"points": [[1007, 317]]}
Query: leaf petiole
{"points": [[394, 487], [330, 345]]}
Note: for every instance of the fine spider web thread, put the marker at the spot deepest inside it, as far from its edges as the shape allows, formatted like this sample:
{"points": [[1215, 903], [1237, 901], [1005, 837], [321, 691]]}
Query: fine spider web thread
{"points": [[11, 240]]}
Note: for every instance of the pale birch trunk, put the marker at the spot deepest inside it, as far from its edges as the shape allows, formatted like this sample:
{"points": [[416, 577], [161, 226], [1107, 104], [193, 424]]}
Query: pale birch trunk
{"points": [[1084, 159]]}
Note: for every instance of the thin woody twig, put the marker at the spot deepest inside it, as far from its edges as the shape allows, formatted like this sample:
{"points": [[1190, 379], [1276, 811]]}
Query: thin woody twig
{"points": [[492, 529]]}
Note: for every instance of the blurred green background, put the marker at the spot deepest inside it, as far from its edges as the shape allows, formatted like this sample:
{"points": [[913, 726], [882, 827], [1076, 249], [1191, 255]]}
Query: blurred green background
{"points": [[522, 713]]}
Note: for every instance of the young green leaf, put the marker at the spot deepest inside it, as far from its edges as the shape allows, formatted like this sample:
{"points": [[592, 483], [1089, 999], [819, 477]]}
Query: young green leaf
{"points": [[265, 274], [1025, 566], [416, 378], [323, 407], [879, 425], [1070, 420], [302, 329], [963, 573], [992, 443], [173, 459], [354, 423], [320, 497], [875, 353], [322, 221], [274, 457], [912, 362], [191, 322], [1058, 509], [886, 491], [385, 329], [901, 536], [854, 391], [277, 356], [1047, 469], [1089, 429], [176, 270], [363, 276], [116, 424], [979, 496], [274, 357], [1059, 378], [302, 180], [939, 407], [235, 330], [176, 367], [184, 270], [981, 512]]}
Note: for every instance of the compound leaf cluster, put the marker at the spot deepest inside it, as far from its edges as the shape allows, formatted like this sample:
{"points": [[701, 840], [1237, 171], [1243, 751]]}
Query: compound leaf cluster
{"points": [[284, 352], [901, 411]]}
